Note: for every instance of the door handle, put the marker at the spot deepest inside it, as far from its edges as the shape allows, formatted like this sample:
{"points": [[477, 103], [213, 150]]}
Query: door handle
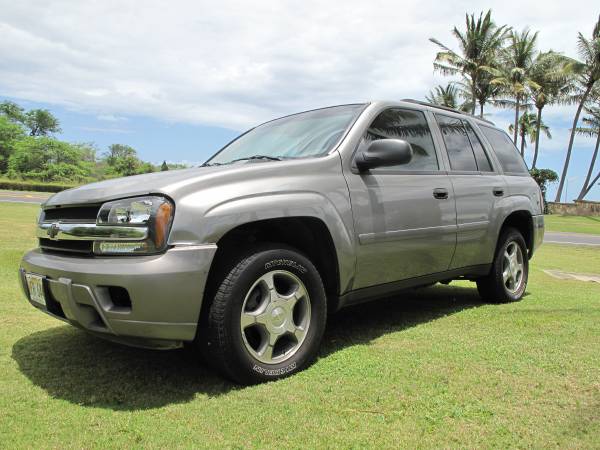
{"points": [[498, 192], [440, 193]]}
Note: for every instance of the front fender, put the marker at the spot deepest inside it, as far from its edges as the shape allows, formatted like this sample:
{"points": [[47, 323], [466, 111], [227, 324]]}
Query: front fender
{"points": [[223, 217]]}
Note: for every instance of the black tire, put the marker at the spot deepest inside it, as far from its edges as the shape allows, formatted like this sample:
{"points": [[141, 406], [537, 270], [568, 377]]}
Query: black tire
{"points": [[225, 346], [492, 288]]}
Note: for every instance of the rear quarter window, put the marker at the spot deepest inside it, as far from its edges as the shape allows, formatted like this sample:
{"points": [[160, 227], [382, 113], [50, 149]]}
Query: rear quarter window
{"points": [[507, 153]]}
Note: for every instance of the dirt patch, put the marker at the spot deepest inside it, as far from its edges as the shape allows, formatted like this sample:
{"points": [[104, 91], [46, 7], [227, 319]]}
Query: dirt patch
{"points": [[573, 275]]}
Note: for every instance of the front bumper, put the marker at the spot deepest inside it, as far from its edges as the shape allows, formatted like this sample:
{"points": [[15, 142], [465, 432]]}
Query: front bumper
{"points": [[165, 293]]}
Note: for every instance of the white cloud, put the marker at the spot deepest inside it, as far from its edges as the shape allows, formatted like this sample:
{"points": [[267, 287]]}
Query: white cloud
{"points": [[111, 118], [235, 64], [105, 130]]}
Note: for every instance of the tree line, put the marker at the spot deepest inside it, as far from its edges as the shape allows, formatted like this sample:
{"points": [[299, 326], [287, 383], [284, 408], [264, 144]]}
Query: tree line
{"points": [[499, 66], [30, 151]]}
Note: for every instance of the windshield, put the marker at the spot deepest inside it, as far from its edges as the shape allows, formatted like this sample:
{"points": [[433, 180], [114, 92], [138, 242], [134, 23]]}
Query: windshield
{"points": [[311, 133]]}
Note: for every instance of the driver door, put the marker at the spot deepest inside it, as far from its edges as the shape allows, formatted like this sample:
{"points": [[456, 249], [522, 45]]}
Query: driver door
{"points": [[404, 216]]}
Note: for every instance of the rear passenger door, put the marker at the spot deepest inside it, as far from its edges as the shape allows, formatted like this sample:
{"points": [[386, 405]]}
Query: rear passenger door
{"points": [[404, 216], [516, 174], [478, 186]]}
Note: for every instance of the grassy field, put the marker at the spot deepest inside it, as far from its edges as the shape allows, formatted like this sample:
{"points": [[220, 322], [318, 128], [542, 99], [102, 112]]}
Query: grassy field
{"points": [[432, 368], [573, 224]]}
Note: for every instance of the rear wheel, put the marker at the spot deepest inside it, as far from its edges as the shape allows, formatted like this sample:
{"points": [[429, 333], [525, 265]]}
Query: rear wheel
{"points": [[267, 318], [507, 280]]}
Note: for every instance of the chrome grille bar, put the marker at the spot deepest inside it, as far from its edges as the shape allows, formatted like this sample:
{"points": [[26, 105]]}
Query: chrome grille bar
{"points": [[89, 232]]}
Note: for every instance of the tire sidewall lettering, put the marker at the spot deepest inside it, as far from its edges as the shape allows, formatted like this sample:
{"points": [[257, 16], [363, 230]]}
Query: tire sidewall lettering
{"points": [[269, 372], [285, 263]]}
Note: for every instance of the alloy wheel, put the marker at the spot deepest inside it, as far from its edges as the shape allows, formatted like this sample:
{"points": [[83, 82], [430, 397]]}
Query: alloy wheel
{"points": [[275, 317]]}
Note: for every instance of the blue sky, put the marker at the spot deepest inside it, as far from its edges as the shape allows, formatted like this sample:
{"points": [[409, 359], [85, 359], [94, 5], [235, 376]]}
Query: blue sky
{"points": [[177, 83], [155, 140]]}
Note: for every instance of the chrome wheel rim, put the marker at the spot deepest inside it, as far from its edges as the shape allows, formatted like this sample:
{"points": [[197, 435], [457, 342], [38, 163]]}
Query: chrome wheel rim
{"points": [[513, 268], [275, 317]]}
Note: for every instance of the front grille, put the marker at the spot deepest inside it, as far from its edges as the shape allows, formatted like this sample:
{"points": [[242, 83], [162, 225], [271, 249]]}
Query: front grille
{"points": [[79, 247], [86, 213], [77, 214]]}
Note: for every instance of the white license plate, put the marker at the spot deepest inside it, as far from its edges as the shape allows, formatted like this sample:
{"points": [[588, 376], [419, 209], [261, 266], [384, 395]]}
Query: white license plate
{"points": [[35, 284]]}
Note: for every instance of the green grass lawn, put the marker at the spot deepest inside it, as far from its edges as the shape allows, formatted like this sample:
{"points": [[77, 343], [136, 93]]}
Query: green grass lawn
{"points": [[431, 368], [572, 224]]}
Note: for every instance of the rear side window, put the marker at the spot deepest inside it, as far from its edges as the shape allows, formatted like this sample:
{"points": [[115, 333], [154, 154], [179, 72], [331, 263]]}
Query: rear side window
{"points": [[410, 126], [507, 153], [483, 162], [457, 143]]}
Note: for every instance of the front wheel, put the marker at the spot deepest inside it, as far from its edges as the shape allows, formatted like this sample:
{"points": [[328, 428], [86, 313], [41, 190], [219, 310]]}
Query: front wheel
{"points": [[507, 280], [268, 316]]}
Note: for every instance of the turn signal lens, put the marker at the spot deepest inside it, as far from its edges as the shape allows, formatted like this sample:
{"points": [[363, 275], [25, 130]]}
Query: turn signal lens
{"points": [[162, 223]]}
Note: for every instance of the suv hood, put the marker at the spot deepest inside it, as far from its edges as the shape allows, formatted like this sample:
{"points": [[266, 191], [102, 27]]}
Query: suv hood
{"points": [[150, 183]]}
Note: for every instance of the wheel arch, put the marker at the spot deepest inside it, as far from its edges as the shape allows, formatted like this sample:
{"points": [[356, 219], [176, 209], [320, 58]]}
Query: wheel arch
{"points": [[521, 220], [307, 234]]}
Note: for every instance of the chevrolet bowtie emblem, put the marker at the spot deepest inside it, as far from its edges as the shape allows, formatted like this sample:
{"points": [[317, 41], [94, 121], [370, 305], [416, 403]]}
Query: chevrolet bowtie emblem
{"points": [[53, 230]]}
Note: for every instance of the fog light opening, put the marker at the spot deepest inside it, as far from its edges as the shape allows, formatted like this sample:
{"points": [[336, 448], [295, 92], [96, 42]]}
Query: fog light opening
{"points": [[119, 297]]}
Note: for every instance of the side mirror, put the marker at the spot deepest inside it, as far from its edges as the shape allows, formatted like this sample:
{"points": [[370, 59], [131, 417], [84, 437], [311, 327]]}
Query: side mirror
{"points": [[384, 152]]}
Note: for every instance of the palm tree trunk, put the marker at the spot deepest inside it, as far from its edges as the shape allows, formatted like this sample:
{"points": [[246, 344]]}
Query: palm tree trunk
{"points": [[563, 176], [481, 110], [591, 185], [473, 99], [516, 132], [590, 170], [537, 137]]}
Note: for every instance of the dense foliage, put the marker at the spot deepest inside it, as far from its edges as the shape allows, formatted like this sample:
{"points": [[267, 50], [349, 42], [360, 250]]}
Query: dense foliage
{"points": [[544, 177], [30, 152]]}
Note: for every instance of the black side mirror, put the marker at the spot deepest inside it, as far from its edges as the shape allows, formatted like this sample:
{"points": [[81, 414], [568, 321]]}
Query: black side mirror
{"points": [[384, 152]]}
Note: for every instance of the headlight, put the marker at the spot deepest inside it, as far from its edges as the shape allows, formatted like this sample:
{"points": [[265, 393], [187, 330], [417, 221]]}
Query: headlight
{"points": [[153, 213]]}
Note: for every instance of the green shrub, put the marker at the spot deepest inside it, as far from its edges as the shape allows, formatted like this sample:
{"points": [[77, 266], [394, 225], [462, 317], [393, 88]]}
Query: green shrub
{"points": [[15, 185], [45, 159]]}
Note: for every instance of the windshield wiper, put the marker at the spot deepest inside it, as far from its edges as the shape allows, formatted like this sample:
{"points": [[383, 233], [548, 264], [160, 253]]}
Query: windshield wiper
{"points": [[247, 158], [250, 158]]}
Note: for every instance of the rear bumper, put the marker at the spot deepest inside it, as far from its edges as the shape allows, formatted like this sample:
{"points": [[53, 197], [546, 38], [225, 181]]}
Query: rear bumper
{"points": [[165, 293], [538, 233]]}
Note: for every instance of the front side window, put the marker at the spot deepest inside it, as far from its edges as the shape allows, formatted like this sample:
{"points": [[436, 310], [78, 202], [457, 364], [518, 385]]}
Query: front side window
{"points": [[311, 133], [410, 126], [457, 142], [505, 150]]}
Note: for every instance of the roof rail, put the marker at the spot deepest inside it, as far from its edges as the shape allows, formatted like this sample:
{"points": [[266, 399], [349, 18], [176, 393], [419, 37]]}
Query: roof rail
{"points": [[445, 108]]}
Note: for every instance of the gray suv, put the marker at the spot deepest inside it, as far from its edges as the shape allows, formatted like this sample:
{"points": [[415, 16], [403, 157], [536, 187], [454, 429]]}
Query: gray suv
{"points": [[245, 256]]}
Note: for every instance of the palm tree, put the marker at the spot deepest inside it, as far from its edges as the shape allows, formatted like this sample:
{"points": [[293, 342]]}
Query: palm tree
{"points": [[485, 92], [513, 73], [549, 72], [479, 46], [588, 73], [529, 126], [592, 129], [449, 96]]}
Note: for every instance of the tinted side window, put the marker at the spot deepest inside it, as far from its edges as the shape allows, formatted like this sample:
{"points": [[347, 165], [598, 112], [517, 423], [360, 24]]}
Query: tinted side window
{"points": [[483, 163], [457, 143], [507, 153], [410, 126]]}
